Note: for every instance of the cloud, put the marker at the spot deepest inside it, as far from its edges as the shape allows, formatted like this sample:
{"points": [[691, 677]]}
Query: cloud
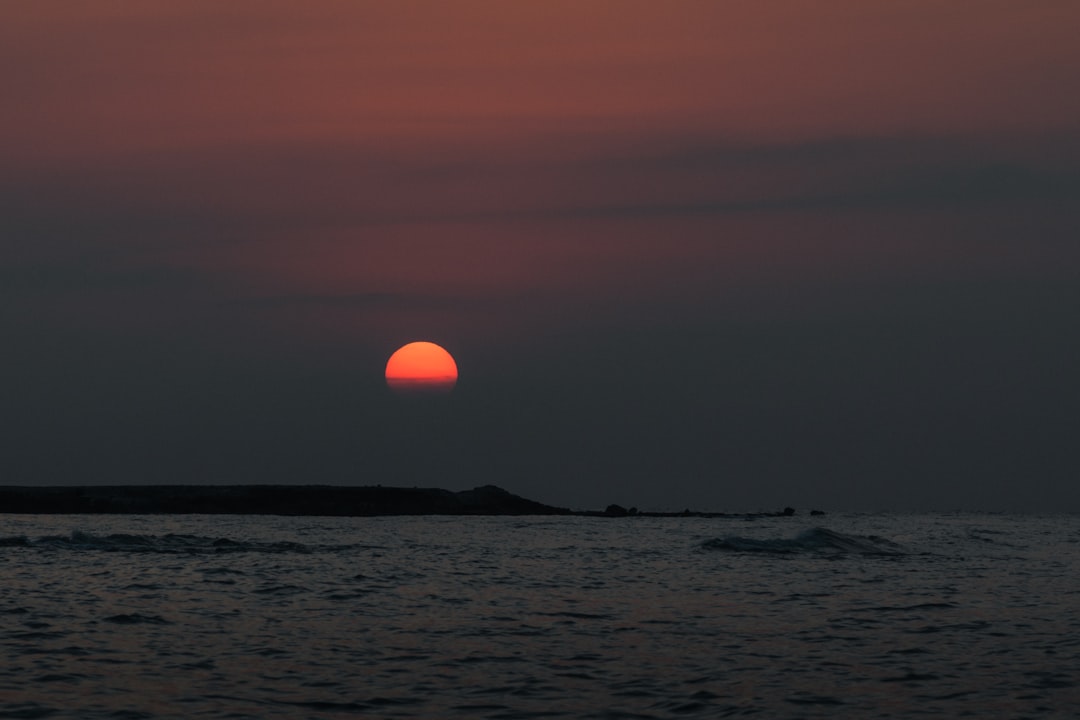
{"points": [[574, 226], [838, 174], [359, 301], [232, 195], [71, 278]]}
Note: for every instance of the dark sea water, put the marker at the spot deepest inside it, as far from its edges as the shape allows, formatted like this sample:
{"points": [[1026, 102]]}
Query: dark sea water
{"points": [[855, 616]]}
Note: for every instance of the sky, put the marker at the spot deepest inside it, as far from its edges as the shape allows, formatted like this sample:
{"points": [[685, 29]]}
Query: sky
{"points": [[720, 255]]}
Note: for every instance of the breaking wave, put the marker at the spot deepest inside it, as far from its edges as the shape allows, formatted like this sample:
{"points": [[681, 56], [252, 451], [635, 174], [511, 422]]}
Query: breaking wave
{"points": [[817, 539]]}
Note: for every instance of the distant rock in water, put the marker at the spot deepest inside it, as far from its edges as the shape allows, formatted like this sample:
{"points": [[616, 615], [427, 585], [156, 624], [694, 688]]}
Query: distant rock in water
{"points": [[270, 500]]}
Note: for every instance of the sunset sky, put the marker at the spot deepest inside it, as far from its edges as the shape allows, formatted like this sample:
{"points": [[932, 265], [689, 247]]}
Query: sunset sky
{"points": [[709, 254]]}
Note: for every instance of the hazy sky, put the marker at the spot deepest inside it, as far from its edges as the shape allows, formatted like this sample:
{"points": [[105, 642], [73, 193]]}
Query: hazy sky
{"points": [[708, 254]]}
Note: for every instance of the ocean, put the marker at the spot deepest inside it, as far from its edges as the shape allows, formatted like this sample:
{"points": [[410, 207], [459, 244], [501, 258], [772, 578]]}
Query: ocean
{"points": [[843, 615]]}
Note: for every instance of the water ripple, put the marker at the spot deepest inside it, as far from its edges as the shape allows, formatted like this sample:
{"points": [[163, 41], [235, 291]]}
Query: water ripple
{"points": [[219, 617]]}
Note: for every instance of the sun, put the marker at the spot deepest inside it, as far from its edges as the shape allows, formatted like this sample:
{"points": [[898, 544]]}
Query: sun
{"points": [[421, 367]]}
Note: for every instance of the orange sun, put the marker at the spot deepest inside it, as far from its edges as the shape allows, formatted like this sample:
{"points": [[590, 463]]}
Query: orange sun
{"points": [[421, 367]]}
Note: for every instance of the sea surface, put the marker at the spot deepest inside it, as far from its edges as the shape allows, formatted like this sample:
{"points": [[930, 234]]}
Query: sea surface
{"points": [[854, 616]]}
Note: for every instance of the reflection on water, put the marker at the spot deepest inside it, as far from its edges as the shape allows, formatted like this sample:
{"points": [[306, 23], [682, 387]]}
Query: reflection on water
{"points": [[219, 616]]}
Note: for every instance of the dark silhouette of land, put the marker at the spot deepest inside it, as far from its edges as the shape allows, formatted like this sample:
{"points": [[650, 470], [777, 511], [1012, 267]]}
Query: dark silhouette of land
{"points": [[298, 500]]}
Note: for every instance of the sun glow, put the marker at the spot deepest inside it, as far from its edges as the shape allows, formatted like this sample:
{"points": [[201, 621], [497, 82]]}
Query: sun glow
{"points": [[421, 367]]}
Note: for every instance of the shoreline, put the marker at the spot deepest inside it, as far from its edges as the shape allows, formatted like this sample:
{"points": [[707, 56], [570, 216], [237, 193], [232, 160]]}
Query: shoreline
{"points": [[302, 500]]}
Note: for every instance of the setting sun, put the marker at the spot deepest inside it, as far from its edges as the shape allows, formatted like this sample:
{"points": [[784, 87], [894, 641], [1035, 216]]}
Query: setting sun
{"points": [[421, 367]]}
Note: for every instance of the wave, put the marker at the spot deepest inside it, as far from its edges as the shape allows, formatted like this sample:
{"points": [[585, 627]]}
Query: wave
{"points": [[137, 618], [168, 544], [817, 539]]}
